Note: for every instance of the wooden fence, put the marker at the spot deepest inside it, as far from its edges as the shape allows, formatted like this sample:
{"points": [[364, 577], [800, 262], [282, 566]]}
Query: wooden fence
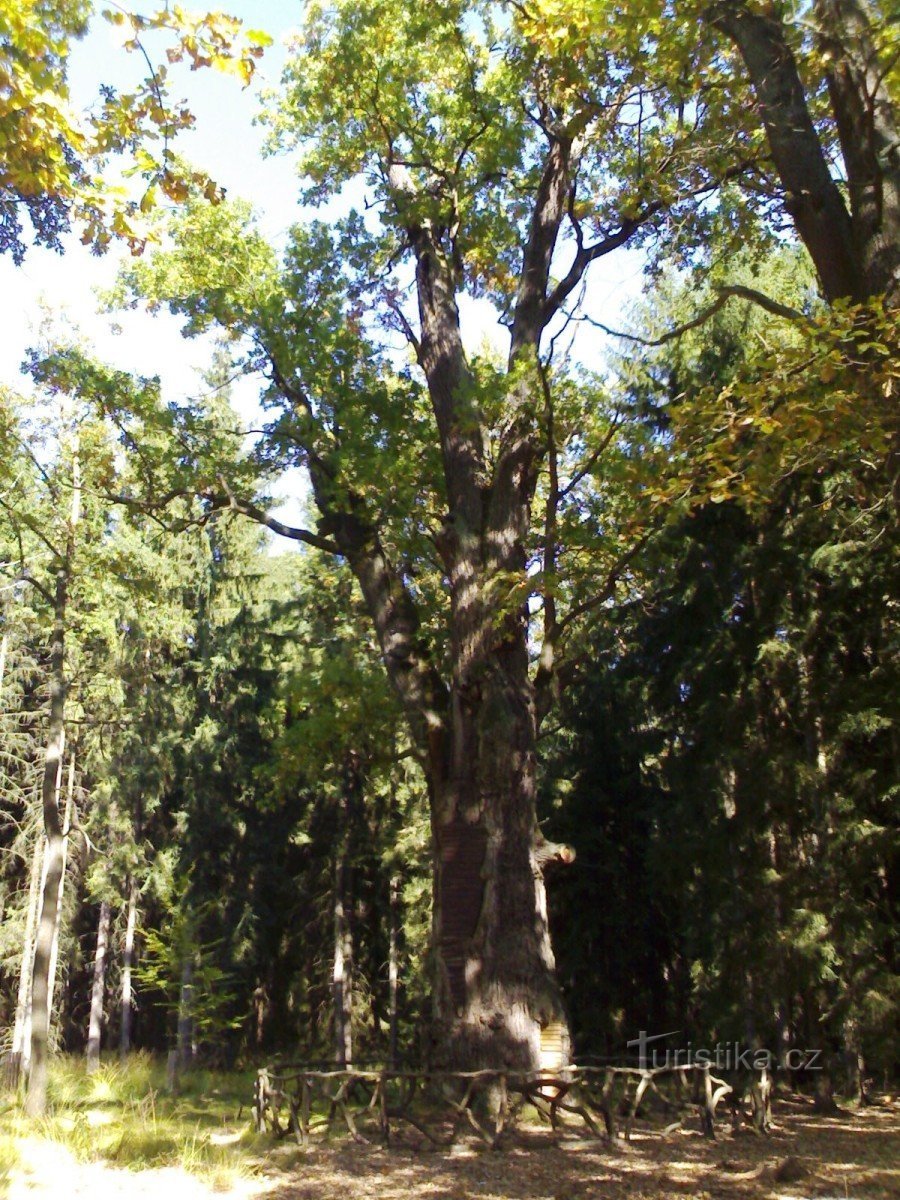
{"points": [[292, 1098]]}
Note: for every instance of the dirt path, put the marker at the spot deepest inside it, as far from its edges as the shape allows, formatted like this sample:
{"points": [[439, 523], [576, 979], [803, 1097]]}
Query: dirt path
{"points": [[854, 1156], [47, 1169]]}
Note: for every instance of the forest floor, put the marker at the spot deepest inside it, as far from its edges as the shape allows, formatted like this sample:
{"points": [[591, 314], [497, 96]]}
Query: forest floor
{"points": [[851, 1155]]}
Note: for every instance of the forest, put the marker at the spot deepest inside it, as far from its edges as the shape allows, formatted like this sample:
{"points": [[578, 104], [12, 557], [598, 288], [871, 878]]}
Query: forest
{"points": [[484, 666]]}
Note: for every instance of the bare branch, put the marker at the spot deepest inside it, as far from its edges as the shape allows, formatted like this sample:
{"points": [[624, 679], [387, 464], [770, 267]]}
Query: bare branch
{"points": [[724, 294], [248, 509]]}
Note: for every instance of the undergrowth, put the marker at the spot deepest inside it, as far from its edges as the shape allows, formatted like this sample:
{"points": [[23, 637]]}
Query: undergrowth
{"points": [[123, 1115]]}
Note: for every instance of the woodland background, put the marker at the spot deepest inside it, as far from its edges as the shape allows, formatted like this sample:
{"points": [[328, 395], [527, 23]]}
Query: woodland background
{"points": [[704, 577]]}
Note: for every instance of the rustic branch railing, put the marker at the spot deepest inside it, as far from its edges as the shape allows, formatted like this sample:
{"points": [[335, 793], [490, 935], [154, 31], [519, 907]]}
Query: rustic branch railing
{"points": [[291, 1098]]}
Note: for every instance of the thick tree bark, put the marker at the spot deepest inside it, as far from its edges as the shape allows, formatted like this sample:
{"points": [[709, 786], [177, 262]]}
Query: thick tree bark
{"points": [[349, 813], [494, 985], [495, 989], [856, 252], [127, 1022], [474, 725], [869, 131], [36, 1100], [812, 197], [98, 989], [496, 992]]}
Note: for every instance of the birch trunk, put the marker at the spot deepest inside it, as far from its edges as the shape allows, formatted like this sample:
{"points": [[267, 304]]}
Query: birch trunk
{"points": [[98, 989], [125, 1029]]}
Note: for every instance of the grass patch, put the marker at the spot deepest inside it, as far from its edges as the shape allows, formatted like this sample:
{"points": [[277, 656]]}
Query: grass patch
{"points": [[123, 1115], [9, 1158]]}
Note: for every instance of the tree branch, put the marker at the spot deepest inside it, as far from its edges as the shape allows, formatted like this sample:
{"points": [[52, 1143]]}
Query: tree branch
{"points": [[725, 293], [248, 509]]}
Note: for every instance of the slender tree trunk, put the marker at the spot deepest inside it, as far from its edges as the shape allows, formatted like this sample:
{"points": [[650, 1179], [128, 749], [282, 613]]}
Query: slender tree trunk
{"points": [[20, 1052], [98, 989], [36, 1100], [342, 971], [125, 1030], [186, 1030], [47, 933], [26, 1036], [394, 970], [54, 952]]}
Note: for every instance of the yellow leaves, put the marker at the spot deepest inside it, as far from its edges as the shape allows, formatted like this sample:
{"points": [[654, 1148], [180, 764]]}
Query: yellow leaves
{"points": [[211, 40], [258, 37], [149, 200], [48, 150]]}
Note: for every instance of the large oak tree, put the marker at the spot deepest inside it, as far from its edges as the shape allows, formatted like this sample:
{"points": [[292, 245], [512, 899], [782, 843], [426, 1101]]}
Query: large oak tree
{"points": [[495, 166]]}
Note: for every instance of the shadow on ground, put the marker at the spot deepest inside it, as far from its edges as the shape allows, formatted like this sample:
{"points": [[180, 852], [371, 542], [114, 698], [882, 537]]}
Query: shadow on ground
{"points": [[848, 1156]]}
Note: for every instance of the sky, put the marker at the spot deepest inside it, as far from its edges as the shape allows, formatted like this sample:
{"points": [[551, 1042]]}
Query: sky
{"points": [[227, 144]]}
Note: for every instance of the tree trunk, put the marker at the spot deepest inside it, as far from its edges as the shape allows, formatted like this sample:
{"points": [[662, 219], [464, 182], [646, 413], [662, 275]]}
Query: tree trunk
{"points": [[342, 972], [98, 988], [393, 970], [494, 983], [869, 132], [26, 1036], [67, 820], [36, 1100], [21, 1053], [125, 1030], [856, 252], [495, 989], [47, 933], [812, 198], [186, 1029]]}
